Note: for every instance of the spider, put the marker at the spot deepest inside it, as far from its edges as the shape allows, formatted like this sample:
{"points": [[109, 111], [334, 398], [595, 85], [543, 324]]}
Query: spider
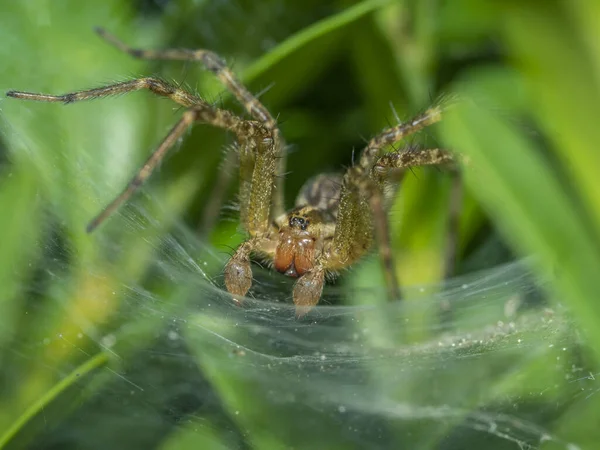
{"points": [[336, 218]]}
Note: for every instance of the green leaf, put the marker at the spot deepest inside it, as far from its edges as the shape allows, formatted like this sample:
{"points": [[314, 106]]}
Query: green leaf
{"points": [[51, 395], [525, 197]]}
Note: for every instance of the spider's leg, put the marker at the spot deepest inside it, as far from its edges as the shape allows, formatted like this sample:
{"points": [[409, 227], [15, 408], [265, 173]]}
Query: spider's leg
{"points": [[258, 154], [253, 106], [400, 161], [211, 61], [200, 113], [407, 158], [394, 134], [154, 85], [382, 232], [361, 210]]}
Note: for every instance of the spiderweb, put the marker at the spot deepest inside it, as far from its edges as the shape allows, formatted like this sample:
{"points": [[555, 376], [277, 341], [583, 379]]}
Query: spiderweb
{"points": [[110, 352], [344, 377]]}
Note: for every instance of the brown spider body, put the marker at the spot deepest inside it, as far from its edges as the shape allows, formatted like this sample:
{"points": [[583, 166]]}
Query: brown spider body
{"points": [[336, 218]]}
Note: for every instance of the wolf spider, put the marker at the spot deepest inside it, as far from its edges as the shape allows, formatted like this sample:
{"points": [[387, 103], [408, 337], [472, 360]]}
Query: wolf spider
{"points": [[335, 218]]}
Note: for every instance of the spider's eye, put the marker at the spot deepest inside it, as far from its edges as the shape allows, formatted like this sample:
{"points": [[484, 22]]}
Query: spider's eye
{"points": [[298, 222]]}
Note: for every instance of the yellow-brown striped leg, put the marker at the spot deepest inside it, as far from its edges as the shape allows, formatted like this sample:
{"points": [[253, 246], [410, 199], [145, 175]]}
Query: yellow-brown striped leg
{"points": [[211, 61], [362, 213], [410, 157], [256, 144], [361, 205], [362, 209], [397, 133], [212, 116], [257, 110], [353, 233], [382, 234], [154, 85], [401, 160]]}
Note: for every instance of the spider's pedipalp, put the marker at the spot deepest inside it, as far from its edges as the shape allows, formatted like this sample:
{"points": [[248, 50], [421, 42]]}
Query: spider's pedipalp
{"points": [[238, 272], [308, 290]]}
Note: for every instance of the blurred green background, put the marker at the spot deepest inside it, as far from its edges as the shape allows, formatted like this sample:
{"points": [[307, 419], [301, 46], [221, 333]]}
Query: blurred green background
{"points": [[124, 339]]}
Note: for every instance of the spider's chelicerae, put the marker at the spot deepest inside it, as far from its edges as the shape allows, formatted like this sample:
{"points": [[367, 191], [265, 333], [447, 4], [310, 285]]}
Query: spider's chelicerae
{"points": [[335, 217]]}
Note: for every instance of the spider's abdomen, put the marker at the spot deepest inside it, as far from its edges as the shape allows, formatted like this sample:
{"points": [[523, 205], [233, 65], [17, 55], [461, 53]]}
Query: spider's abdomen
{"points": [[322, 193]]}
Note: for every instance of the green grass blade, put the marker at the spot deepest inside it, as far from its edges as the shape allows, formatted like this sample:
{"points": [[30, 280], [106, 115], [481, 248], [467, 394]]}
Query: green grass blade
{"points": [[527, 201], [311, 33], [35, 408]]}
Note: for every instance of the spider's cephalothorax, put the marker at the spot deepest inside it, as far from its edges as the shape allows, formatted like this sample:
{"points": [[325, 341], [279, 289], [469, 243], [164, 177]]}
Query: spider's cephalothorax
{"points": [[335, 218]]}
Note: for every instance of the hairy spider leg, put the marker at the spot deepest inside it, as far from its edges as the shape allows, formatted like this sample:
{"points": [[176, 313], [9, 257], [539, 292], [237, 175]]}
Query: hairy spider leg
{"points": [[217, 118], [361, 208], [259, 145], [261, 159], [199, 111], [400, 161], [421, 157], [154, 85], [253, 106], [395, 134]]}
